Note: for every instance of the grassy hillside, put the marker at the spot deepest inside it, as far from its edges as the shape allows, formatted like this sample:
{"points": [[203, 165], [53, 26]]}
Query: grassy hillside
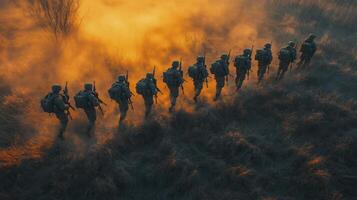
{"points": [[296, 139]]}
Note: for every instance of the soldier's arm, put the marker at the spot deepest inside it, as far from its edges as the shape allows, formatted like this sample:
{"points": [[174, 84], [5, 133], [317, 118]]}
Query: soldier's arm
{"points": [[60, 104], [94, 100], [249, 64], [313, 48], [270, 57], [294, 55]]}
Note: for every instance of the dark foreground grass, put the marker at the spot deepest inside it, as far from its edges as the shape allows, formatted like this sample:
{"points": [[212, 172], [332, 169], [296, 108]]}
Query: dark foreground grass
{"points": [[270, 143]]}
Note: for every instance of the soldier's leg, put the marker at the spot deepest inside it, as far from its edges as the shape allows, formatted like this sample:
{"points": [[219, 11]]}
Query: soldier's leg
{"points": [[262, 72], [237, 77], [174, 93], [283, 70], [307, 61], [302, 61], [92, 117], [149, 101], [240, 82], [123, 107], [220, 82], [259, 71], [218, 92], [63, 118], [198, 89]]}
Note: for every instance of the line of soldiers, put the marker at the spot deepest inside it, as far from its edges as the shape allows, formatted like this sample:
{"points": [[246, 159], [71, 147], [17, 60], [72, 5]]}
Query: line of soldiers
{"points": [[88, 99]]}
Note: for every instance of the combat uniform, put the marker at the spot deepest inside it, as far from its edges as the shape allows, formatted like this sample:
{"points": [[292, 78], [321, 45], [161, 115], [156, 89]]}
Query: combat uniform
{"points": [[173, 78], [308, 49], [243, 65], [220, 70], [264, 57], [287, 56], [198, 72], [88, 101], [120, 92], [147, 88]]}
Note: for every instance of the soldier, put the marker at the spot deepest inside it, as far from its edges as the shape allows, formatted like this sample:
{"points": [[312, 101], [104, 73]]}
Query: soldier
{"points": [[173, 78], [264, 57], [120, 92], [287, 56], [220, 70], [199, 74], [88, 101], [308, 49], [243, 65], [57, 103], [147, 88]]}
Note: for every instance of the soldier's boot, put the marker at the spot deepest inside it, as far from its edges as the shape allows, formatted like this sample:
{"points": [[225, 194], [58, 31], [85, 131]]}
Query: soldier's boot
{"points": [[90, 128], [60, 135], [197, 93], [122, 117], [195, 98], [218, 93], [62, 129], [173, 104], [261, 77], [239, 85], [301, 63], [147, 112]]}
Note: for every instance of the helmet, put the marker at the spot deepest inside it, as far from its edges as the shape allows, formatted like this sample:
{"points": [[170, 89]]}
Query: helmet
{"points": [[121, 78], [200, 58], [175, 64], [291, 44], [88, 86], [247, 51], [149, 76], [267, 45], [56, 88], [312, 36], [224, 56]]}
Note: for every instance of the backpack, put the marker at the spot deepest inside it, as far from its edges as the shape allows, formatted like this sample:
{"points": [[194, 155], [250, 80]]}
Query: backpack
{"points": [[172, 78], [259, 55], [81, 100], [119, 92], [219, 70], [241, 63], [144, 88], [285, 55], [197, 73], [262, 56], [307, 48], [192, 71], [47, 103]]}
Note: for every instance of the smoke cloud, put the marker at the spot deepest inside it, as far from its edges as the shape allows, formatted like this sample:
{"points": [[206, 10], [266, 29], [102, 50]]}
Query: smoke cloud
{"points": [[110, 37]]}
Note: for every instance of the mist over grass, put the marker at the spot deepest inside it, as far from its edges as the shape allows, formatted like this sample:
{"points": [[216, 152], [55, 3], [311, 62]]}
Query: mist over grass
{"points": [[296, 139]]}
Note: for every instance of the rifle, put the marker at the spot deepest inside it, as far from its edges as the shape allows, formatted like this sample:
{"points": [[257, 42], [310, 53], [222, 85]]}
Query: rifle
{"points": [[66, 101], [65, 92], [128, 84], [292, 63], [97, 96], [227, 61], [183, 91], [155, 83], [204, 64], [250, 58]]}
